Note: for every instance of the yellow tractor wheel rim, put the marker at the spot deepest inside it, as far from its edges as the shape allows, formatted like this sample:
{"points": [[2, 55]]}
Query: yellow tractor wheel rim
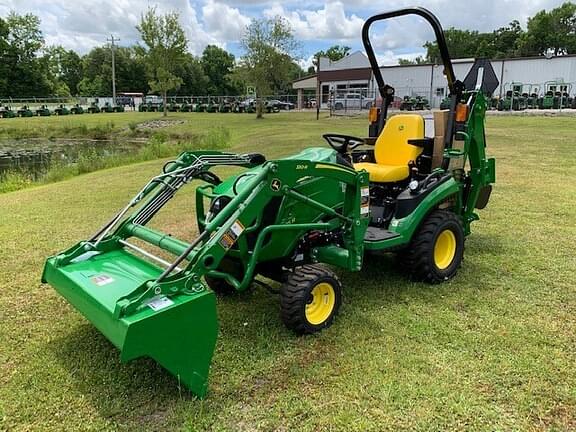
{"points": [[321, 304], [444, 249]]}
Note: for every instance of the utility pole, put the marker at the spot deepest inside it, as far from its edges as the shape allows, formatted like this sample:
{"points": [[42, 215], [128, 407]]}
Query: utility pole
{"points": [[112, 41]]}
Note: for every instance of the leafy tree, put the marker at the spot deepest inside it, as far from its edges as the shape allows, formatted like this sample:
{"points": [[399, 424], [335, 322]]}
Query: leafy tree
{"points": [[97, 72], [165, 50], [268, 45], [194, 81], [506, 40], [418, 60], [65, 70], [4, 57], [217, 65], [334, 53], [24, 72], [461, 44], [553, 31]]}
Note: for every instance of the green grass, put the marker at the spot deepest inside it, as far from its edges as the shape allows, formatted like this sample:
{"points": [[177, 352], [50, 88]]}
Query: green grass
{"points": [[493, 349]]}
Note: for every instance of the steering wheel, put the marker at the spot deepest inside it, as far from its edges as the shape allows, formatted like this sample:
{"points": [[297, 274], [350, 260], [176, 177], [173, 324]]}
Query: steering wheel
{"points": [[343, 143]]}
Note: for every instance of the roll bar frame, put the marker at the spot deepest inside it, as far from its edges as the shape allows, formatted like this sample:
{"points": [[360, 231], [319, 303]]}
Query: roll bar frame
{"points": [[455, 86]]}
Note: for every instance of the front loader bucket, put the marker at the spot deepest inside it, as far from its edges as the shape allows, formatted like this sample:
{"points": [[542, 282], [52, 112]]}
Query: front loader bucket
{"points": [[178, 332]]}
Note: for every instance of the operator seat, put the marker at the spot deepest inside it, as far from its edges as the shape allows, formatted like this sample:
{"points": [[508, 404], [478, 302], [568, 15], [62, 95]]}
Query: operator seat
{"points": [[392, 152]]}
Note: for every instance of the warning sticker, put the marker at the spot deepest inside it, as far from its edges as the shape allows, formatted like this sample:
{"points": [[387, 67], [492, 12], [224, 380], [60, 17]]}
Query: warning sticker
{"points": [[364, 201], [230, 237], [159, 303], [101, 280]]}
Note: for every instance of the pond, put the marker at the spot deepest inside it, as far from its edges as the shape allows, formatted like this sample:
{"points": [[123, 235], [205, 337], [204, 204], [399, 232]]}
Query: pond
{"points": [[35, 156]]}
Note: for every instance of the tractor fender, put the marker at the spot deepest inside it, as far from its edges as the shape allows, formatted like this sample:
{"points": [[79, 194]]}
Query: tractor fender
{"points": [[407, 225]]}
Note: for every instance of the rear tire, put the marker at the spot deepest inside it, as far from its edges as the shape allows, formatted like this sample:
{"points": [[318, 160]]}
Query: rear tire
{"points": [[437, 249], [310, 299]]}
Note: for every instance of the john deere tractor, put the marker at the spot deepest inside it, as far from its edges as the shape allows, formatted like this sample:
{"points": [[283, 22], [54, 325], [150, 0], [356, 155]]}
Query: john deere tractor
{"points": [[293, 220]]}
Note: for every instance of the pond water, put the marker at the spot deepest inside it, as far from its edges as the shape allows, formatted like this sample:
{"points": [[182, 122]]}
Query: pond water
{"points": [[35, 156]]}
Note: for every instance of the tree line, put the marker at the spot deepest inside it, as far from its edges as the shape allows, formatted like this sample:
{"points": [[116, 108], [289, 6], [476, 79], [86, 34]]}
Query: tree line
{"points": [[550, 32], [28, 67]]}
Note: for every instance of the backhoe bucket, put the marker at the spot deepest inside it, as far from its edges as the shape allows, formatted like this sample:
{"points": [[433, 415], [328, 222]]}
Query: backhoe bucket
{"points": [[179, 332]]}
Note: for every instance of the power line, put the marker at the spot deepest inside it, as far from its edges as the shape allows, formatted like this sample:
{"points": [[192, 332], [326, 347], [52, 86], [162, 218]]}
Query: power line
{"points": [[112, 41]]}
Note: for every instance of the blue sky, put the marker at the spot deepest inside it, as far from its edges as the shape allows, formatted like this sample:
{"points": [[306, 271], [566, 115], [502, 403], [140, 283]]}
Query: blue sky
{"points": [[83, 24]]}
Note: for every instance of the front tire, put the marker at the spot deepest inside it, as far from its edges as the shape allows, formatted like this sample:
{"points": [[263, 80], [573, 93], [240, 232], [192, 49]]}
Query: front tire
{"points": [[310, 299], [437, 249]]}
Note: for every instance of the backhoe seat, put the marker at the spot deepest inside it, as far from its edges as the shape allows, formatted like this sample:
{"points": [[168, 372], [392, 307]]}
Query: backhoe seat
{"points": [[392, 151]]}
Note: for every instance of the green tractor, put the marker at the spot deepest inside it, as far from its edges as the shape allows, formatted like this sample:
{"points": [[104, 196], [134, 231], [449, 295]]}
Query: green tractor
{"points": [[288, 220], [24, 111], [225, 106], [94, 108], [532, 98], [186, 106], [407, 103], [200, 105], [553, 97], [76, 109], [7, 112], [43, 111], [61, 110], [421, 103], [513, 98], [174, 107], [211, 106]]}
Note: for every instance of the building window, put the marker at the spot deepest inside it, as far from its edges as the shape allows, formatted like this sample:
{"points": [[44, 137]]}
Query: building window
{"points": [[440, 91]]}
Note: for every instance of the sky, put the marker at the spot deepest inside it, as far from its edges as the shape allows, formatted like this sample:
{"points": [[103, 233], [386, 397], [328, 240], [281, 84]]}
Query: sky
{"points": [[84, 24]]}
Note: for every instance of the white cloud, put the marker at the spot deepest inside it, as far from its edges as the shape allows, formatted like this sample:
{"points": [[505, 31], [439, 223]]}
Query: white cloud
{"points": [[83, 24], [329, 22], [224, 22]]}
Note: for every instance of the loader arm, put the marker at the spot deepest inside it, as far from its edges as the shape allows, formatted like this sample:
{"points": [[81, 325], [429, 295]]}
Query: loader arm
{"points": [[139, 301]]}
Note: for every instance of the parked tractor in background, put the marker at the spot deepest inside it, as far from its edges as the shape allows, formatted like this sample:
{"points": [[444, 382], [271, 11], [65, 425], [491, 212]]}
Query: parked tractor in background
{"points": [[43, 111], [513, 98], [24, 111], [61, 110], [77, 110], [553, 97], [7, 112], [94, 108], [533, 95], [414, 103]]}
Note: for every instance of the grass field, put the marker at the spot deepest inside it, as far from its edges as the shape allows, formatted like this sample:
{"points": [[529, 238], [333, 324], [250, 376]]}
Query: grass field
{"points": [[492, 350]]}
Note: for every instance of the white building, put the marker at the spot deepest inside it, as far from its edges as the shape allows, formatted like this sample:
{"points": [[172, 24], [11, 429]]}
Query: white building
{"points": [[353, 74]]}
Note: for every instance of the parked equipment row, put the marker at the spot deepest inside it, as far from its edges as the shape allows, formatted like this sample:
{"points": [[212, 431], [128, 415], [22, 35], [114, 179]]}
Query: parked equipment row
{"points": [[44, 111]]}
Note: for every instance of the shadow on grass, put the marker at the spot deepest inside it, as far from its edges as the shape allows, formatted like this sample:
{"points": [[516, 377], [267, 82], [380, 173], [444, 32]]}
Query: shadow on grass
{"points": [[138, 394]]}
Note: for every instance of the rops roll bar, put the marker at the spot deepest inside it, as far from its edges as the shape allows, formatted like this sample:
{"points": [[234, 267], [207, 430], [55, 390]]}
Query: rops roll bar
{"points": [[428, 16]]}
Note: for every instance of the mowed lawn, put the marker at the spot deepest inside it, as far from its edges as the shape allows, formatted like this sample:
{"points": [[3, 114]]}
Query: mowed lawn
{"points": [[492, 350]]}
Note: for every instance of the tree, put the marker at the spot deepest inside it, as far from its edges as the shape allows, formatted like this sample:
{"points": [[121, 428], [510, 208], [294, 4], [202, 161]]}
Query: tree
{"points": [[97, 72], [418, 60], [165, 50], [25, 74], [334, 53], [461, 44], [217, 65], [268, 45], [553, 31], [506, 40], [194, 81], [65, 70]]}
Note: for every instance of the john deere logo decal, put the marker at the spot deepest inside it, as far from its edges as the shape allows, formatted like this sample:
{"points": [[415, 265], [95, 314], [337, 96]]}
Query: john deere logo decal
{"points": [[275, 185]]}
